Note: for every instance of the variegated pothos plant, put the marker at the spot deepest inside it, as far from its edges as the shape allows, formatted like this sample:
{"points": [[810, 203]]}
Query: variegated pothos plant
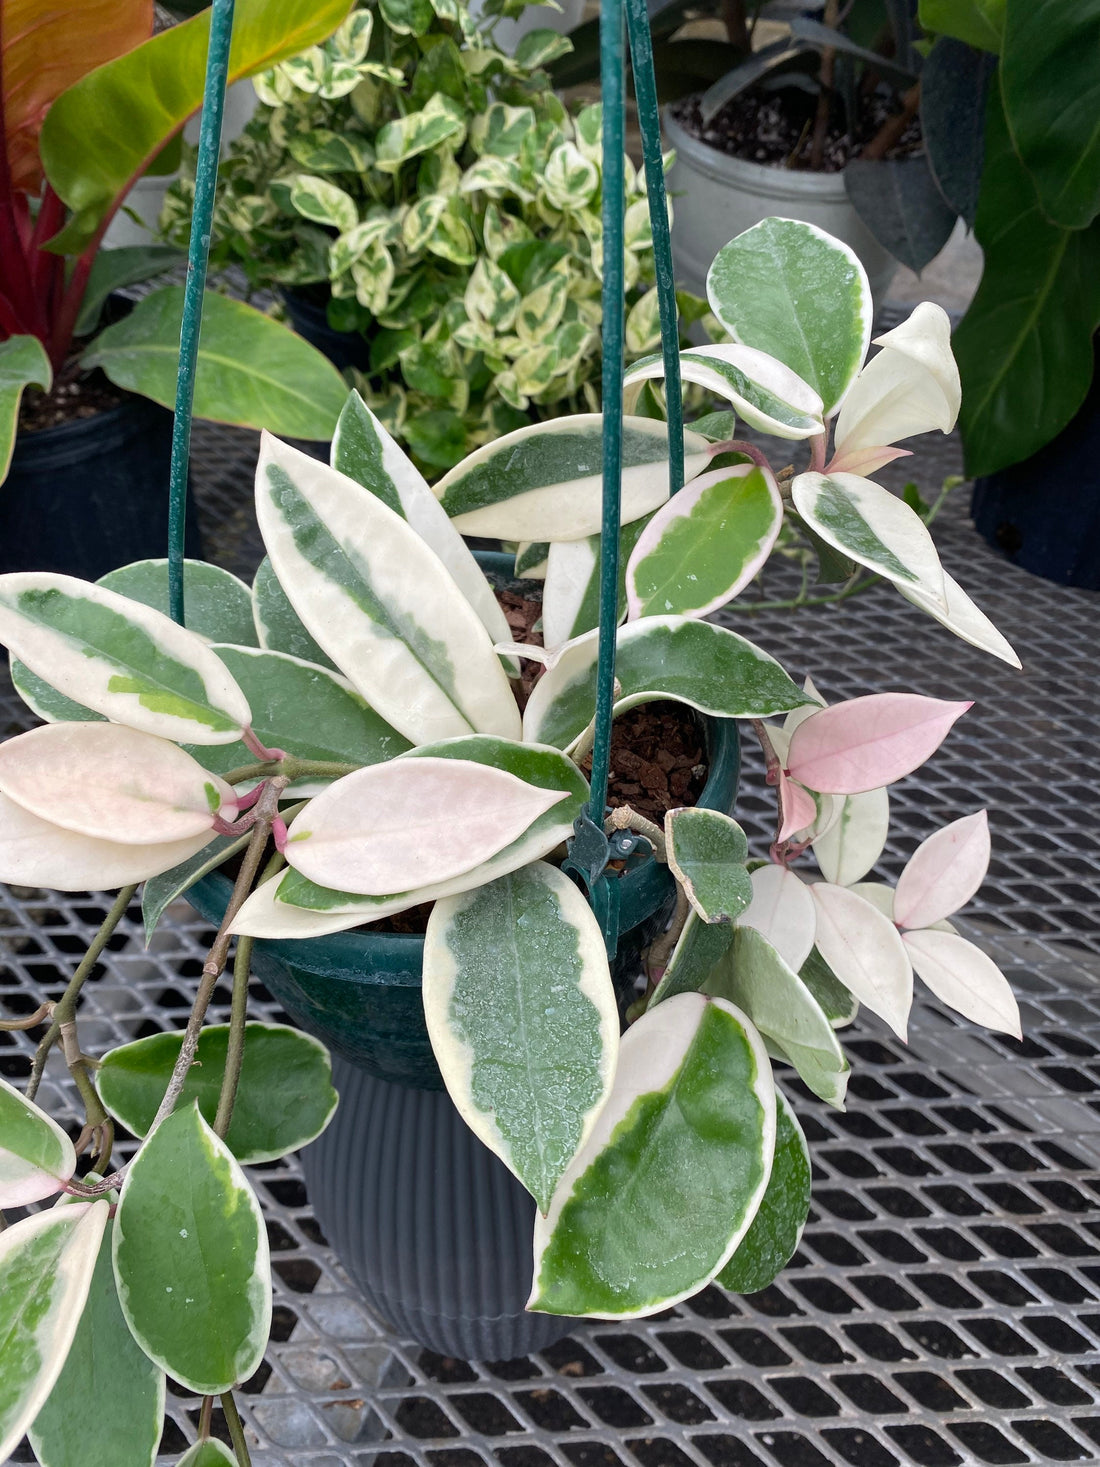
{"points": [[357, 706]]}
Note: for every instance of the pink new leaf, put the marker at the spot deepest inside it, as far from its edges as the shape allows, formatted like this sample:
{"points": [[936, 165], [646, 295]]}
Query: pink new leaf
{"points": [[943, 873], [796, 808], [869, 742]]}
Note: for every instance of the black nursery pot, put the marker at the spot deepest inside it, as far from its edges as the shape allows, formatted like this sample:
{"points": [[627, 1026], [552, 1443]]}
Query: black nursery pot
{"points": [[88, 496], [343, 348]]}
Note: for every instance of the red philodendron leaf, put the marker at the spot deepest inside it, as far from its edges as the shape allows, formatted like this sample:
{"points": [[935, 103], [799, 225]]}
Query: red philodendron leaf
{"points": [[943, 873], [869, 742], [796, 807]]}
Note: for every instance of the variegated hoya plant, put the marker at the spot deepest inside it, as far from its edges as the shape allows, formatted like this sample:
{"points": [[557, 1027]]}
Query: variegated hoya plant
{"points": [[348, 729]]}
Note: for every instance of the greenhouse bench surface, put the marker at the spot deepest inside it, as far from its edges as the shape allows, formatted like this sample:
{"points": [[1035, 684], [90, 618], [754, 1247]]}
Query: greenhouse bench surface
{"points": [[944, 1305]]}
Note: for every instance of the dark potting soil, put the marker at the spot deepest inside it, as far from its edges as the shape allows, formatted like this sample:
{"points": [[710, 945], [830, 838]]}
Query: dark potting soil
{"points": [[777, 129], [75, 394]]}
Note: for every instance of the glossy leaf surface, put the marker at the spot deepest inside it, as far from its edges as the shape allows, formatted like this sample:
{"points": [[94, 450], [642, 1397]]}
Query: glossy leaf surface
{"points": [[964, 978], [278, 626], [36, 1155], [160, 891], [767, 394], [699, 947], [707, 852], [964, 618], [865, 951], [217, 606], [869, 742], [782, 911], [854, 842], [834, 999], [771, 1241], [571, 596]]}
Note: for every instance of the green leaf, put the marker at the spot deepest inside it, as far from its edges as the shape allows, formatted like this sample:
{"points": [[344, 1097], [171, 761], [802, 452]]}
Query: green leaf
{"points": [[668, 1183], [159, 892], [191, 1257], [45, 701], [522, 1017], [693, 662], [541, 47], [407, 17], [837, 1004], [278, 626], [1025, 346], [36, 1155], [571, 597], [979, 23], [107, 1406], [122, 659], [306, 710], [23, 361], [252, 371], [208, 1453], [699, 947], [46, 1262], [379, 601], [754, 976], [284, 1098], [767, 394], [545, 482], [706, 544], [954, 92], [795, 292], [324, 202], [715, 427], [438, 438], [771, 1241], [707, 852], [441, 120], [217, 606], [113, 269], [900, 202], [101, 133], [531, 559]]}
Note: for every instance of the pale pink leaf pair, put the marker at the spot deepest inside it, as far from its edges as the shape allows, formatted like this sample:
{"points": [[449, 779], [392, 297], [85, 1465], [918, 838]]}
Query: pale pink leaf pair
{"points": [[869, 742], [943, 873], [782, 910], [964, 978], [865, 951]]}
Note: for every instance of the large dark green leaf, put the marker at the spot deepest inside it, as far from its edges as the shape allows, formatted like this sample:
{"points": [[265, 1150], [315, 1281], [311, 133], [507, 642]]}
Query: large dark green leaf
{"points": [[112, 269], [898, 200], [23, 361], [977, 22], [954, 87], [770, 1242], [1024, 348]]}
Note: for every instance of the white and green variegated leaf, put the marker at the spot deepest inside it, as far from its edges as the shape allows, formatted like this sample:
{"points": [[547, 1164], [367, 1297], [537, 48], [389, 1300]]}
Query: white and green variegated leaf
{"points": [[706, 544], [350, 248], [541, 310], [544, 482], [873, 527], [519, 967], [501, 129], [838, 1005], [754, 976], [643, 324], [793, 291], [36, 852], [707, 852], [106, 1408], [377, 599], [170, 1241], [669, 1181], [294, 906], [322, 151], [47, 1262], [571, 596], [762, 390], [441, 120], [324, 202], [963, 617], [491, 296], [698, 949], [365, 452], [217, 606], [278, 626], [208, 1453], [692, 662], [45, 701], [570, 180], [540, 47], [112, 783], [776, 1231], [306, 711], [119, 658], [36, 1156], [386, 828], [160, 891], [854, 841], [531, 559]]}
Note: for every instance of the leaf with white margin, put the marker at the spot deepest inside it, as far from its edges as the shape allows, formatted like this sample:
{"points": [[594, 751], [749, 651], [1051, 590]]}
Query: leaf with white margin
{"points": [[753, 976], [869, 742], [35, 852], [872, 527], [776, 1231], [217, 606], [111, 782], [695, 662], [853, 843], [365, 452], [943, 873], [47, 1262], [379, 601], [968, 621], [191, 1257], [571, 596], [767, 394], [278, 626], [292, 906], [782, 911], [698, 948], [544, 482], [119, 658], [654, 1205], [522, 1018], [389, 826], [964, 978], [792, 290], [106, 1408], [531, 556], [911, 386], [45, 701], [835, 1001], [865, 951], [707, 852], [36, 1156], [706, 544], [208, 1453], [305, 710]]}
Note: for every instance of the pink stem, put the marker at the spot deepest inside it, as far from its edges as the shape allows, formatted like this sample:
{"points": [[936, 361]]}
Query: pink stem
{"points": [[268, 756]]}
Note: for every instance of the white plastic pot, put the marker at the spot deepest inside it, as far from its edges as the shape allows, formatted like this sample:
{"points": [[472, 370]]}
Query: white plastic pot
{"points": [[716, 197]]}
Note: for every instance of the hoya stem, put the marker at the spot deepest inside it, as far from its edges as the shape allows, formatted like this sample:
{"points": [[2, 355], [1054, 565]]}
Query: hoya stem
{"points": [[292, 768], [236, 1430], [267, 809]]}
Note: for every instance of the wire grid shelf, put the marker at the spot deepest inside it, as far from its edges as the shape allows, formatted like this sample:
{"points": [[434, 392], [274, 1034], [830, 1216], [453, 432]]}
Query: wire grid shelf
{"points": [[944, 1306]]}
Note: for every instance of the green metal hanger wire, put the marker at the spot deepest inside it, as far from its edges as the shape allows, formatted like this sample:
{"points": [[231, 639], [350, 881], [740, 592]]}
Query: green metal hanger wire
{"points": [[590, 848]]}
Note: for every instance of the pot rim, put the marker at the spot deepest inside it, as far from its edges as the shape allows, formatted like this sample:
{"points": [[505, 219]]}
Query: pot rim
{"points": [[761, 178]]}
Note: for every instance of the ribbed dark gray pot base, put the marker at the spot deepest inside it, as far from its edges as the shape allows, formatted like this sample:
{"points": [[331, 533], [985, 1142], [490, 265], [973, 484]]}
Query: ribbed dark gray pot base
{"points": [[434, 1229]]}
